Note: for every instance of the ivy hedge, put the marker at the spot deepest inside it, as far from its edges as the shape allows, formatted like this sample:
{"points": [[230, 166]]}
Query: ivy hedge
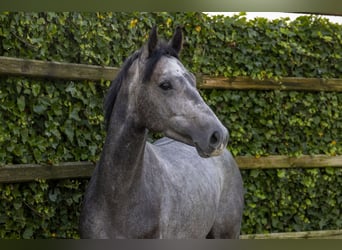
{"points": [[50, 121]]}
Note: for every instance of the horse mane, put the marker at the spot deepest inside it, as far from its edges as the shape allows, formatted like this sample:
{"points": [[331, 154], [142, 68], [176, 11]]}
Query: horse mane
{"points": [[162, 49], [115, 86]]}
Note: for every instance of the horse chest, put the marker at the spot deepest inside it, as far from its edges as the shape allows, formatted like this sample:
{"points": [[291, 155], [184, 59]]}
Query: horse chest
{"points": [[183, 207], [168, 207]]}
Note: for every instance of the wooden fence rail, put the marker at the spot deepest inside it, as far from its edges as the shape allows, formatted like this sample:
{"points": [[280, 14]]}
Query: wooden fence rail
{"points": [[36, 68], [326, 234], [286, 83], [59, 70], [31, 172]]}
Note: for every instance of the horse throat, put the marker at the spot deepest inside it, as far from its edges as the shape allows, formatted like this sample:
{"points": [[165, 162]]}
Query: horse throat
{"points": [[123, 153]]}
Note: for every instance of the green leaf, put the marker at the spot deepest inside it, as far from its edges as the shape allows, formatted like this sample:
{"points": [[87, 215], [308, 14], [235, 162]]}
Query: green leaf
{"points": [[28, 233], [53, 197], [74, 113], [254, 173], [35, 89], [39, 109], [329, 171], [21, 103], [281, 173], [69, 130]]}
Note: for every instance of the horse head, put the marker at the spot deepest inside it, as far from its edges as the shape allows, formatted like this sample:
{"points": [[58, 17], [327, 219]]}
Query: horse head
{"points": [[166, 99]]}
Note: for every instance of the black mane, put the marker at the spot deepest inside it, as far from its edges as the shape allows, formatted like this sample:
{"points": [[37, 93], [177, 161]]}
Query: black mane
{"points": [[162, 49]]}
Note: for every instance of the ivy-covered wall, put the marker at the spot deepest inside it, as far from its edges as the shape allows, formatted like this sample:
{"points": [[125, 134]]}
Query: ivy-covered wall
{"points": [[49, 121]]}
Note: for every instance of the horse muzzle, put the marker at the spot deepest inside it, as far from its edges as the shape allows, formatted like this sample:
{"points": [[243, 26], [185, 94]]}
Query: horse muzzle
{"points": [[214, 144]]}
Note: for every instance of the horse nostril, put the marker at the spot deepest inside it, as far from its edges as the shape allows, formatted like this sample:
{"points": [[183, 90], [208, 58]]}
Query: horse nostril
{"points": [[214, 139]]}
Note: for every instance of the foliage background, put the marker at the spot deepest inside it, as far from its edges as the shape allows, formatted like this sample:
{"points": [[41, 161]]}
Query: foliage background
{"points": [[50, 121]]}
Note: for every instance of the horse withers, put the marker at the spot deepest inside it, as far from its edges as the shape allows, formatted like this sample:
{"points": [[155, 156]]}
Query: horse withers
{"points": [[185, 185]]}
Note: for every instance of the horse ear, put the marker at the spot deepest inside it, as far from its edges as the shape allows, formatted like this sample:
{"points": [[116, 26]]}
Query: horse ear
{"points": [[177, 40], [152, 40]]}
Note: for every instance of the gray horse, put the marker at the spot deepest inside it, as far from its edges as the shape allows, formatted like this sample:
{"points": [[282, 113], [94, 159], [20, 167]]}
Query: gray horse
{"points": [[185, 187]]}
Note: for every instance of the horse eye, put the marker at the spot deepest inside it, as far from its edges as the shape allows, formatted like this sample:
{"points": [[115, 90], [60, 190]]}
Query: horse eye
{"points": [[165, 85]]}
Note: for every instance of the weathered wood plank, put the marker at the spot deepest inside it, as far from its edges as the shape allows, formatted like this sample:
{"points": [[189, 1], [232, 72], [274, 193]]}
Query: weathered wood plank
{"points": [[280, 161], [36, 68], [327, 234], [286, 83], [30, 172]]}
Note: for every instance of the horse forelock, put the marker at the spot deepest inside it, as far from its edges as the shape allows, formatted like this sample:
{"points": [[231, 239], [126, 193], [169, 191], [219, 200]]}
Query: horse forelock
{"points": [[163, 49]]}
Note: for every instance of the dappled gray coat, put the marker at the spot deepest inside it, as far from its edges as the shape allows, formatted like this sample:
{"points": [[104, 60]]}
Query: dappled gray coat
{"points": [[186, 185]]}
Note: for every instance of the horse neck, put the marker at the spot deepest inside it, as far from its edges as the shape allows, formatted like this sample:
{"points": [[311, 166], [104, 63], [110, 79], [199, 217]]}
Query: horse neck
{"points": [[121, 161]]}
